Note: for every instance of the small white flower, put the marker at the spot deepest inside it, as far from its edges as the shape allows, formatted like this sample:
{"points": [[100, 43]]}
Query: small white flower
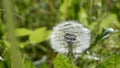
{"points": [[70, 32]]}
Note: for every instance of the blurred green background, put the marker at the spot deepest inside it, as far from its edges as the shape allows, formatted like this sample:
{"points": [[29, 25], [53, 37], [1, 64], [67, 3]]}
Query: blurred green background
{"points": [[36, 18]]}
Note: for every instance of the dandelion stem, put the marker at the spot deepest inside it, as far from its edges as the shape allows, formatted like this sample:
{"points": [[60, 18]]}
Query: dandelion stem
{"points": [[70, 52]]}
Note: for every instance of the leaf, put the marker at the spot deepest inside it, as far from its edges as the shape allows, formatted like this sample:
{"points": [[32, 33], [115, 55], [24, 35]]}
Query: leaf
{"points": [[112, 62], [29, 64], [23, 32], [62, 61], [39, 35]]}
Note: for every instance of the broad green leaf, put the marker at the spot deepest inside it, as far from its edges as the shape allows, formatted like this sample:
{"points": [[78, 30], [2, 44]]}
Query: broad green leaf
{"points": [[48, 34], [23, 32], [62, 61], [29, 64], [39, 35], [112, 62]]}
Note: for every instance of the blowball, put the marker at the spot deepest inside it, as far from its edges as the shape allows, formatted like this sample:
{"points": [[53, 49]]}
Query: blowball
{"points": [[70, 32]]}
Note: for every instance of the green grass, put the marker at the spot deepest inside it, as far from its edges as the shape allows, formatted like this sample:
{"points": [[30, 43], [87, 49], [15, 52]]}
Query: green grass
{"points": [[25, 26]]}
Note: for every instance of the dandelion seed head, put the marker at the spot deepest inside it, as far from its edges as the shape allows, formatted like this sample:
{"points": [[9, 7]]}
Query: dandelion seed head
{"points": [[70, 32]]}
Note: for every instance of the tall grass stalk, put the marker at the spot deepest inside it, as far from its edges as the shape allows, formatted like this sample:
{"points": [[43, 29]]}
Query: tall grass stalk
{"points": [[15, 57]]}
